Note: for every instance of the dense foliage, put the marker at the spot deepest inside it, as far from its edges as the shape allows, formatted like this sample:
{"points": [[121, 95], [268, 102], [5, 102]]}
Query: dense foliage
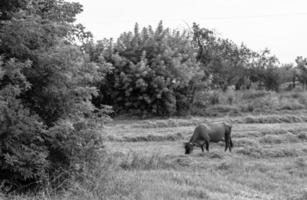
{"points": [[230, 64], [153, 72], [45, 94], [160, 72]]}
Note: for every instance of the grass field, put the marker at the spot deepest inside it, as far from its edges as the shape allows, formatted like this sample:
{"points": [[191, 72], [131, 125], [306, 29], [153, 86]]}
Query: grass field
{"points": [[146, 161], [269, 161]]}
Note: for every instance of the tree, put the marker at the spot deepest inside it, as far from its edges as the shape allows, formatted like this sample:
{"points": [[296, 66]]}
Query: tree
{"points": [[152, 71], [301, 65], [46, 87], [221, 58], [264, 71]]}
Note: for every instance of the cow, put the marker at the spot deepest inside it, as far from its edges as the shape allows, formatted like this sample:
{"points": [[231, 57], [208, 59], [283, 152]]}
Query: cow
{"points": [[210, 132]]}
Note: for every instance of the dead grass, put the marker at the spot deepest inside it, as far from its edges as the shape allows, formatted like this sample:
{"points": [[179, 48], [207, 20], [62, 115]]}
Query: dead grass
{"points": [[268, 162], [245, 142], [236, 103], [271, 119], [148, 138], [271, 139], [134, 161]]}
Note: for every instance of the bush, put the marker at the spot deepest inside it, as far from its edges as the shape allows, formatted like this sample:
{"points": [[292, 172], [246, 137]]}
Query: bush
{"points": [[33, 157], [31, 153], [73, 147], [46, 131], [23, 153], [153, 73]]}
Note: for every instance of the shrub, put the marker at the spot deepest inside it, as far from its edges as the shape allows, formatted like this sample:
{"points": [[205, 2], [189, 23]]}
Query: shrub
{"points": [[154, 73], [33, 156], [23, 153], [46, 129], [74, 143]]}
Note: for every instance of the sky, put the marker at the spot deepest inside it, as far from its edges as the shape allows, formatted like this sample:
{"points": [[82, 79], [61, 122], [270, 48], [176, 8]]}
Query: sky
{"points": [[279, 25]]}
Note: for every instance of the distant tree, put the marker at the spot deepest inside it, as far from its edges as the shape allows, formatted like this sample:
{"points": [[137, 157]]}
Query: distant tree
{"points": [[288, 75], [264, 71], [301, 65], [152, 71], [221, 58]]}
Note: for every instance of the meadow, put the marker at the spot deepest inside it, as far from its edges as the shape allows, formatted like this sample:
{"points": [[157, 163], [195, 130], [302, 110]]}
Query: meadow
{"points": [[146, 160], [269, 161]]}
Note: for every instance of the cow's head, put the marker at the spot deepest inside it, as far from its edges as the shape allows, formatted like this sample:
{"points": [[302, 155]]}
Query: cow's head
{"points": [[188, 146]]}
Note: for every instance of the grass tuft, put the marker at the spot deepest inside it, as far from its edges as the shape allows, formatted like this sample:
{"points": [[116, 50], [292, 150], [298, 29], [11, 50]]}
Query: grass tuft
{"points": [[135, 161]]}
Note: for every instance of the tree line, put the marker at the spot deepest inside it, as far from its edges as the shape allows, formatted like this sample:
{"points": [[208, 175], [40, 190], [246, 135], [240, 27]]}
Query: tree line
{"points": [[57, 84], [158, 71]]}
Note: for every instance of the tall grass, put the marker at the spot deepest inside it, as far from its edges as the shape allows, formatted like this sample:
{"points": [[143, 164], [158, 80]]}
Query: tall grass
{"points": [[107, 181], [148, 138], [219, 103]]}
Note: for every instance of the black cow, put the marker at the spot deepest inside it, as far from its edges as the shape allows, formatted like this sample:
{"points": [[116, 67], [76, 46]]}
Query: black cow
{"points": [[206, 133]]}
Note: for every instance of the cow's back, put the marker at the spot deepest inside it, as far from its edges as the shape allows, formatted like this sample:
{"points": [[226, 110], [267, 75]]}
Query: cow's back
{"points": [[216, 132], [201, 133]]}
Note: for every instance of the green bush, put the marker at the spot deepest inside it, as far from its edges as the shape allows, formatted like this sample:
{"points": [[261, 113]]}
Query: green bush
{"points": [[47, 121], [153, 73], [31, 154], [74, 147], [23, 152]]}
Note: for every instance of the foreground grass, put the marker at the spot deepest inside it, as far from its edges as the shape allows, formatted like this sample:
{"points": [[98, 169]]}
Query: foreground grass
{"points": [[269, 161], [224, 177]]}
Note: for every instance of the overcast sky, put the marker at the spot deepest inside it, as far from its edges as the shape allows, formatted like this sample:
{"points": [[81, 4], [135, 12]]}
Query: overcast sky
{"points": [[280, 25]]}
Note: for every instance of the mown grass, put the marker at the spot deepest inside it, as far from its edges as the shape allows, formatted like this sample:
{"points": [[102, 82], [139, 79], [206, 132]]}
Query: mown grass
{"points": [[272, 119], [144, 125], [148, 138], [146, 161]]}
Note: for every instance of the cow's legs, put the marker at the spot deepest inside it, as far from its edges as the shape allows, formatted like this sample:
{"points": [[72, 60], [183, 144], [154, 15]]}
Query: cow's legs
{"points": [[207, 145], [202, 147], [231, 144], [226, 145], [227, 142]]}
